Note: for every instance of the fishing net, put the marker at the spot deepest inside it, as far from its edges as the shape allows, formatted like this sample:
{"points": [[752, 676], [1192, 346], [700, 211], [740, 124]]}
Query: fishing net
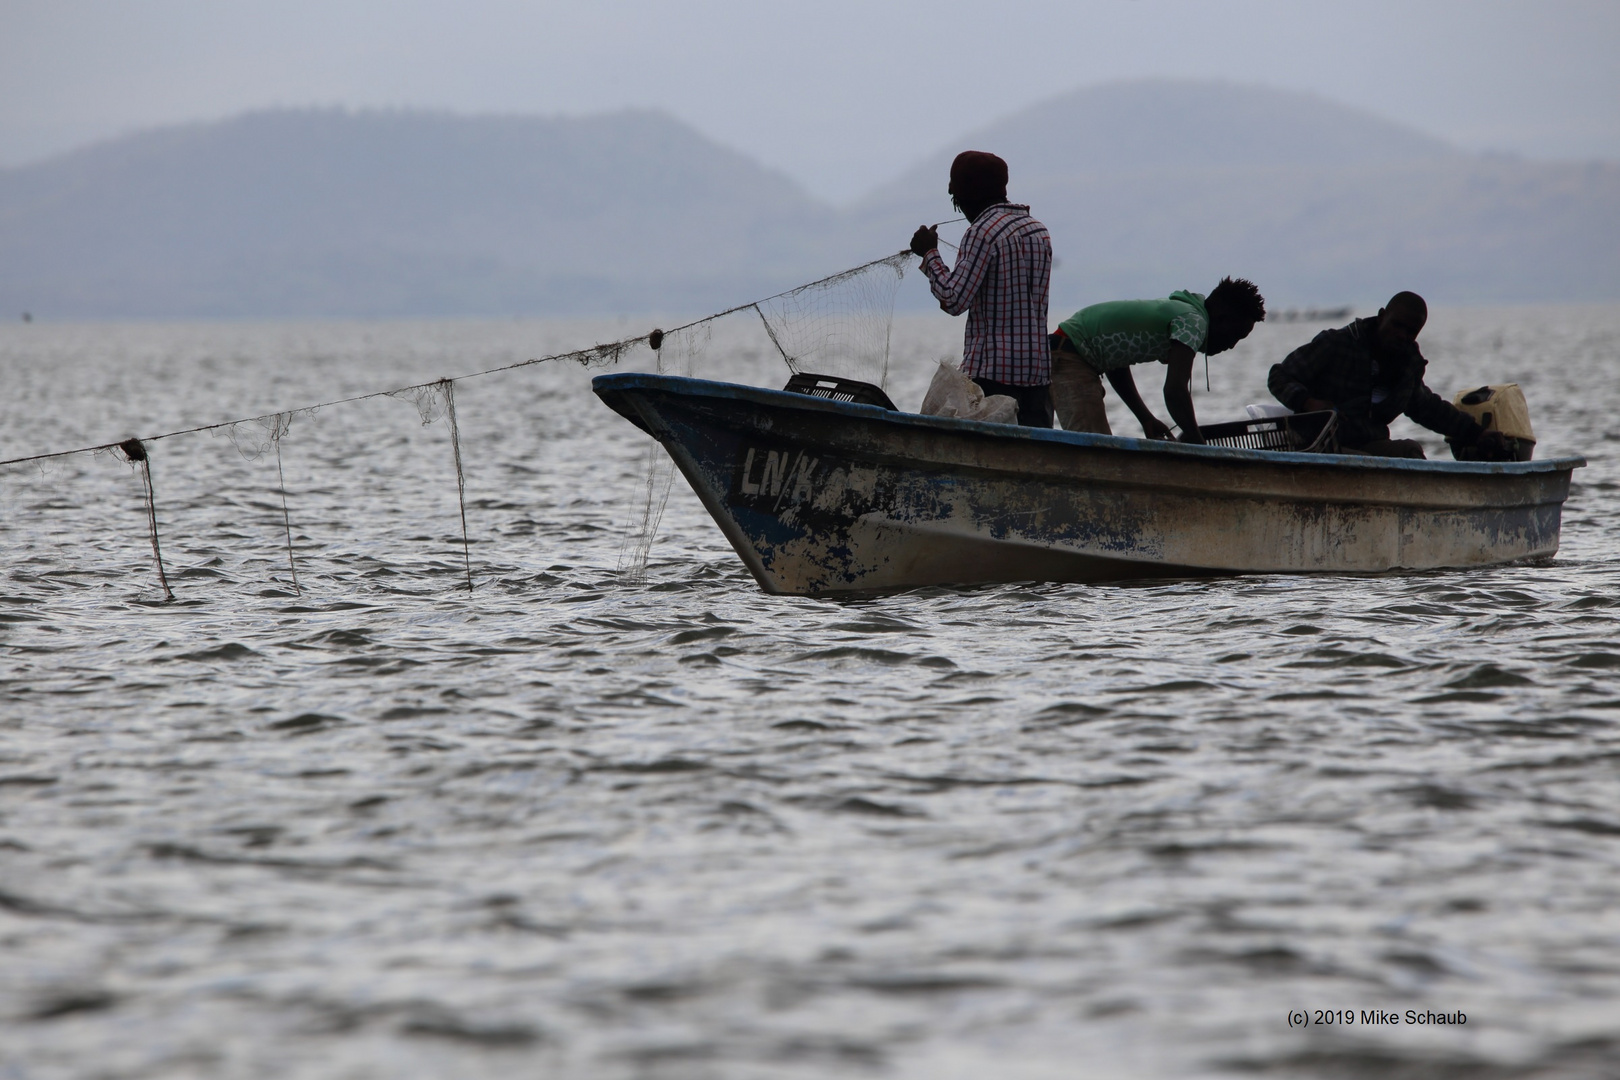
{"points": [[680, 352], [436, 401], [259, 436], [429, 400], [837, 326]]}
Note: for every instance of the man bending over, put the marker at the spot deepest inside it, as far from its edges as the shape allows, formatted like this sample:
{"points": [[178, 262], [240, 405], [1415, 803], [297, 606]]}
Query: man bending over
{"points": [[1107, 339], [1371, 372], [1002, 273]]}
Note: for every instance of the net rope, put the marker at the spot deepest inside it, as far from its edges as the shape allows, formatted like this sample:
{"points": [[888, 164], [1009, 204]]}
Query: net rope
{"points": [[134, 452], [679, 353], [600, 355], [838, 325], [286, 518], [252, 440]]}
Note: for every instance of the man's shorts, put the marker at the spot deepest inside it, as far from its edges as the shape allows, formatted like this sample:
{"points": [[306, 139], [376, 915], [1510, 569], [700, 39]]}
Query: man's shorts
{"points": [[1077, 391]]}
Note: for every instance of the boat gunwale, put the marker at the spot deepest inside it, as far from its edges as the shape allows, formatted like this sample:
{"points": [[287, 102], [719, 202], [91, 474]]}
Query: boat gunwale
{"points": [[706, 388]]}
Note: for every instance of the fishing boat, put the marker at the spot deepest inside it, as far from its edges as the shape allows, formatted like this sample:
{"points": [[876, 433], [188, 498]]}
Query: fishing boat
{"points": [[824, 497]]}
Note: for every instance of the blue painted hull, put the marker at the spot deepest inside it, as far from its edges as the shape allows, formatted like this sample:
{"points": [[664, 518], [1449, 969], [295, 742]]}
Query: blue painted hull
{"points": [[821, 497]]}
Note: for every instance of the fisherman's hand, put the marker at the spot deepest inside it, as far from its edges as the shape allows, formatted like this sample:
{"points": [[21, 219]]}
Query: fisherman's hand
{"points": [[1494, 446], [924, 240], [1154, 428], [1316, 404]]}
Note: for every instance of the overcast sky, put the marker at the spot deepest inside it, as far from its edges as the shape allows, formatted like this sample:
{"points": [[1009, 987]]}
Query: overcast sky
{"points": [[839, 94]]}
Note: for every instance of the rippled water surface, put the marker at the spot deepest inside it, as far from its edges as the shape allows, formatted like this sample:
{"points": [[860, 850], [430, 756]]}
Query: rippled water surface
{"points": [[568, 826]]}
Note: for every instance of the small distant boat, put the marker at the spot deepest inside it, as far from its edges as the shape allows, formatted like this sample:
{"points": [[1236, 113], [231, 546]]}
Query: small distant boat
{"points": [[824, 497]]}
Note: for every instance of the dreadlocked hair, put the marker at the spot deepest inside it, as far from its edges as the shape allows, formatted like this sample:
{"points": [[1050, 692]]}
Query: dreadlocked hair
{"points": [[1239, 296]]}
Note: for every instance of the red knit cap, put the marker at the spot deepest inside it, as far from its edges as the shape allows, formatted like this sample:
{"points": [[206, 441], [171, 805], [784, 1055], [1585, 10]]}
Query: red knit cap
{"points": [[976, 173]]}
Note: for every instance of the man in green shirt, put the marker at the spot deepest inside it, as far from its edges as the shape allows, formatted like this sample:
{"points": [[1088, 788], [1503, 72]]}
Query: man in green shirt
{"points": [[1108, 339]]}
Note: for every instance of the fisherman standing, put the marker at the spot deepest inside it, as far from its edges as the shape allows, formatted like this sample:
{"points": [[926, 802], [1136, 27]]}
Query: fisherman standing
{"points": [[1002, 274]]}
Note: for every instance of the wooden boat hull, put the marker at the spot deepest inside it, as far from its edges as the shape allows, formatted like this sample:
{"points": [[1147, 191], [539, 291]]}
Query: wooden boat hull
{"points": [[822, 497]]}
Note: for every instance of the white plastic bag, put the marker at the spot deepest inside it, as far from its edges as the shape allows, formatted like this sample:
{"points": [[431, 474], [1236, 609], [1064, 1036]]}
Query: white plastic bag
{"points": [[1268, 410], [954, 394], [997, 409]]}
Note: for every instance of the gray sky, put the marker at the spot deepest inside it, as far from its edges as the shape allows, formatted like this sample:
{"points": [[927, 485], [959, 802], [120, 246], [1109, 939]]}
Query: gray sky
{"points": [[839, 94]]}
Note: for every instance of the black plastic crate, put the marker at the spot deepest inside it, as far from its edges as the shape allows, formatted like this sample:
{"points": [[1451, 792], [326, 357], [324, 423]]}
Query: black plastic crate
{"points": [[838, 389], [1305, 433]]}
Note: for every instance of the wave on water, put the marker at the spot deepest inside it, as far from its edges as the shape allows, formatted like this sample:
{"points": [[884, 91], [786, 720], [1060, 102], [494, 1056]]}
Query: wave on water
{"points": [[569, 825]]}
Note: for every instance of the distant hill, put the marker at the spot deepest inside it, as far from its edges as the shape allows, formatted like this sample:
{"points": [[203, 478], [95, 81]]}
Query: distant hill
{"points": [[1153, 186], [1146, 186], [1176, 125], [326, 212]]}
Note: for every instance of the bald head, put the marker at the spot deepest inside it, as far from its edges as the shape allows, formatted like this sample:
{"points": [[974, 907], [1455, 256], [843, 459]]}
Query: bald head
{"points": [[1409, 303], [1401, 320]]}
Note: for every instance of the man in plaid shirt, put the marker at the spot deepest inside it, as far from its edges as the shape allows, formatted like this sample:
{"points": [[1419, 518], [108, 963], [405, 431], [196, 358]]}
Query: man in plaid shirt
{"points": [[1002, 273]]}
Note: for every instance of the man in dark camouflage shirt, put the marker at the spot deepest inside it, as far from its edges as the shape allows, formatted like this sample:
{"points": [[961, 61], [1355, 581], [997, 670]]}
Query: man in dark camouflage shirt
{"points": [[1371, 372]]}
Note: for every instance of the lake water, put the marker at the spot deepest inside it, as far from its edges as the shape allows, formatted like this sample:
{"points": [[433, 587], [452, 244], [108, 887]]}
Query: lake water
{"points": [[572, 826]]}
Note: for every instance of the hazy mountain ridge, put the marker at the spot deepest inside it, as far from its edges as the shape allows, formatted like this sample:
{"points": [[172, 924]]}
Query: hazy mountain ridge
{"points": [[373, 213], [1147, 186], [1153, 186], [1178, 125], [1466, 231]]}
